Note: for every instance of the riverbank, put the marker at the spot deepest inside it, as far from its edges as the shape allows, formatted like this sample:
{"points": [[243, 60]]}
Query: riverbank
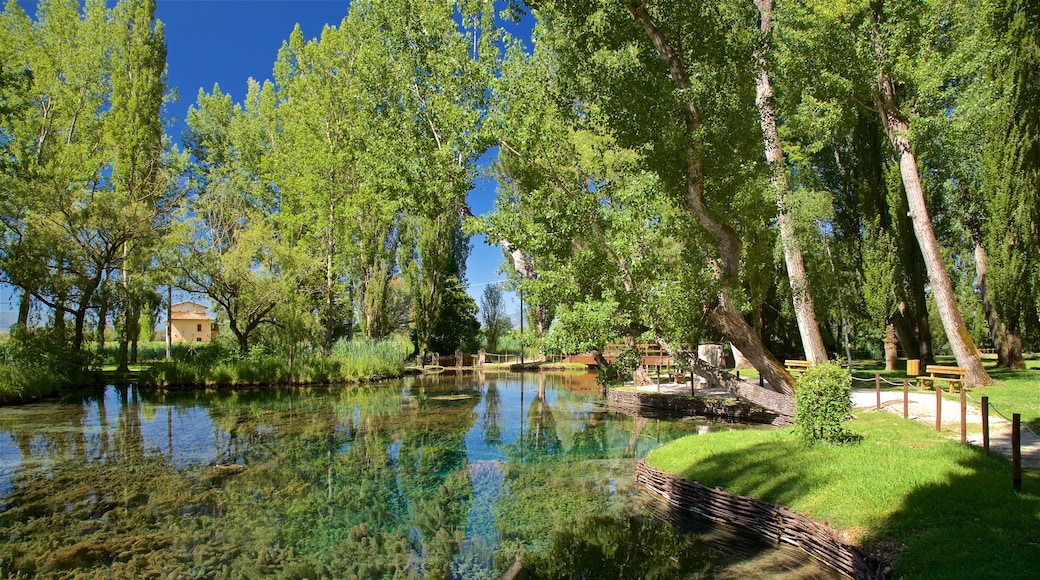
{"points": [[927, 506]]}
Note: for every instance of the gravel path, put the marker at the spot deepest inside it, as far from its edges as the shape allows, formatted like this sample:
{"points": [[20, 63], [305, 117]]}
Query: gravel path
{"points": [[922, 408]]}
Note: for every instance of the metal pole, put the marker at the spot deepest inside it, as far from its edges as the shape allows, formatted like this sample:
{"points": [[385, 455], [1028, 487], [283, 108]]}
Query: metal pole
{"points": [[169, 322], [521, 327]]}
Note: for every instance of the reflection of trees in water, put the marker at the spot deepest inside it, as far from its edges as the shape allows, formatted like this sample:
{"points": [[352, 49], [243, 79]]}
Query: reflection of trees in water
{"points": [[489, 423], [590, 441], [307, 483], [541, 439]]}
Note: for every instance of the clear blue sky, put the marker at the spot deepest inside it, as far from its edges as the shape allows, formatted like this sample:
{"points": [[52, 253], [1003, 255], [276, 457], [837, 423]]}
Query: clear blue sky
{"points": [[226, 42]]}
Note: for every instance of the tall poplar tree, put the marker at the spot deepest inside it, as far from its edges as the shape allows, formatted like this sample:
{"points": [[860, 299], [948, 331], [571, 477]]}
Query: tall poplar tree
{"points": [[134, 132], [888, 56], [1010, 176]]}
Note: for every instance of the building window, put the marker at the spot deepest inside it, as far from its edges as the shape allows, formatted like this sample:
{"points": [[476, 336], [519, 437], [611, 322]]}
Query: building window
{"points": [[200, 327], [198, 339]]}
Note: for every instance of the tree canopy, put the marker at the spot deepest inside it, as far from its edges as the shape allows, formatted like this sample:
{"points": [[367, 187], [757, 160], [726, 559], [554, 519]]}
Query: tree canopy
{"points": [[795, 178]]}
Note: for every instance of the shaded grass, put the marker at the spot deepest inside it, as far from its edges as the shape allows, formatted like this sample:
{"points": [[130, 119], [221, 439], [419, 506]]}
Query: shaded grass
{"points": [[935, 508]]}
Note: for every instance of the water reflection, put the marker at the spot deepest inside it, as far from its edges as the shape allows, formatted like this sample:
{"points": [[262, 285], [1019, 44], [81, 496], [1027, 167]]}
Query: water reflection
{"points": [[425, 478]]}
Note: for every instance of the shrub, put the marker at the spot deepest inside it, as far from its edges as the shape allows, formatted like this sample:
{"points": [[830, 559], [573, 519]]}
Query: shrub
{"points": [[823, 404]]}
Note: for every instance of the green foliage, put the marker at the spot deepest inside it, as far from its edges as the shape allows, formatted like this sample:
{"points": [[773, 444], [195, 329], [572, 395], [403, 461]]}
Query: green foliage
{"points": [[493, 316], [457, 326], [822, 403], [585, 326], [38, 362], [621, 368]]}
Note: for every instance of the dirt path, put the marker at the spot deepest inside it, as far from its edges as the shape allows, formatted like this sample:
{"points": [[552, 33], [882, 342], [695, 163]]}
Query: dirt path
{"points": [[922, 408]]}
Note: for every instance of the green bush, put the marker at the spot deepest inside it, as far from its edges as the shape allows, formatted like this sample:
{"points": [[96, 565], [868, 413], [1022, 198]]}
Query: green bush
{"points": [[823, 404]]}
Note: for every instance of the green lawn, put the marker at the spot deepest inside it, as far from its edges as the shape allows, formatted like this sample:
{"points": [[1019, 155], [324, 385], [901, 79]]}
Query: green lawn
{"points": [[937, 508]]}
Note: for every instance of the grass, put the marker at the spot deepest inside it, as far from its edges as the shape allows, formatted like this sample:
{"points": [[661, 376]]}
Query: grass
{"points": [[933, 507], [355, 360]]}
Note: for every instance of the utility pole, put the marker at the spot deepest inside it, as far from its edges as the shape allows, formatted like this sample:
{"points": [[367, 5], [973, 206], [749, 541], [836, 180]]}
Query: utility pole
{"points": [[169, 321], [521, 328]]}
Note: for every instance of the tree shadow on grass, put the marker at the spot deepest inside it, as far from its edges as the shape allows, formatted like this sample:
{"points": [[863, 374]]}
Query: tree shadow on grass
{"points": [[972, 525]]}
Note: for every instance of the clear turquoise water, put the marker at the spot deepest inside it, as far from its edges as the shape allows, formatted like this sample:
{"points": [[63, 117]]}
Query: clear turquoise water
{"points": [[467, 476]]}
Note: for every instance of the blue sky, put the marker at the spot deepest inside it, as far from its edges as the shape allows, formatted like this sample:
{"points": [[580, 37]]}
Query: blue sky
{"points": [[226, 42]]}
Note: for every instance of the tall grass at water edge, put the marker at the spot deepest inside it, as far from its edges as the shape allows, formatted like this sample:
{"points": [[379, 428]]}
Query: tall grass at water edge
{"points": [[38, 362], [353, 360]]}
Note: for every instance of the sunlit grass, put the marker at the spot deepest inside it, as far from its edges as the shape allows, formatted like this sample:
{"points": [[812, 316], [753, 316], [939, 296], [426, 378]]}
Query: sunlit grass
{"points": [[952, 508]]}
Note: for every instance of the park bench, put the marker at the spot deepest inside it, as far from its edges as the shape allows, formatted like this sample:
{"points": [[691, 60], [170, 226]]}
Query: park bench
{"points": [[950, 374], [797, 367]]}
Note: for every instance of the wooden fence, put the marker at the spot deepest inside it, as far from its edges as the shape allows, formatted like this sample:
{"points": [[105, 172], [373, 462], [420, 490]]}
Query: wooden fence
{"points": [[772, 522]]}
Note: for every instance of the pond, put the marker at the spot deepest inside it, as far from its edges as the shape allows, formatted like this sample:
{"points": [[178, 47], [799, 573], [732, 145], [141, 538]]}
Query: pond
{"points": [[471, 476]]}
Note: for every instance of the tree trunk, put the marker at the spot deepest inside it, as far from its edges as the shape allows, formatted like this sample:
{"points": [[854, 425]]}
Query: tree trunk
{"points": [[891, 348], [102, 323], [730, 322], [805, 312], [724, 314], [897, 128], [1006, 355], [905, 333], [326, 343], [24, 304], [1014, 357], [739, 360]]}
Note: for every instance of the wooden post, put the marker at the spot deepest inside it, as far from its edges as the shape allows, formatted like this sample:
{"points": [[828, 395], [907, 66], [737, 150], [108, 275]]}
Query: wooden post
{"points": [[877, 390], [938, 409], [1016, 451], [964, 417], [906, 398], [985, 424]]}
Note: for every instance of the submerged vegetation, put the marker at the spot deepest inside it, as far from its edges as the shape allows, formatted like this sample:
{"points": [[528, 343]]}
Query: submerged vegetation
{"points": [[427, 479]]}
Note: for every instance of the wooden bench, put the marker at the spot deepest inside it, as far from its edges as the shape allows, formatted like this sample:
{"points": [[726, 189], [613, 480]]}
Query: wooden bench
{"points": [[951, 375], [797, 367]]}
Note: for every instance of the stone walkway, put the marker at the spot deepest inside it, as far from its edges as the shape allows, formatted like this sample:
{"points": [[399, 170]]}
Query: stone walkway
{"points": [[922, 408]]}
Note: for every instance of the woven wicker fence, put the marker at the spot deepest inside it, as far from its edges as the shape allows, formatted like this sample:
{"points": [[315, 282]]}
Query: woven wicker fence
{"points": [[773, 522]]}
